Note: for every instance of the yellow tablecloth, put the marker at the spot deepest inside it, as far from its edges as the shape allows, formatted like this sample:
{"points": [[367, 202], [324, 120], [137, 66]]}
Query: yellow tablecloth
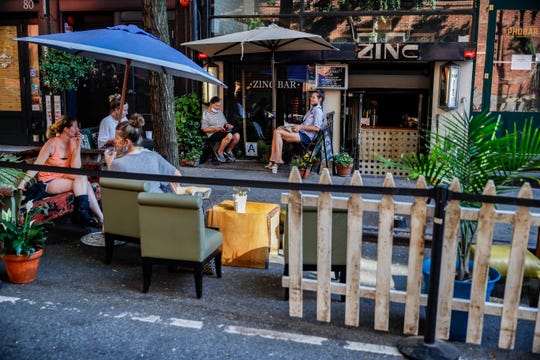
{"points": [[247, 237]]}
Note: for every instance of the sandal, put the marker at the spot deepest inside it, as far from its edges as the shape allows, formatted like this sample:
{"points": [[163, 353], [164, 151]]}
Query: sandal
{"points": [[270, 165]]}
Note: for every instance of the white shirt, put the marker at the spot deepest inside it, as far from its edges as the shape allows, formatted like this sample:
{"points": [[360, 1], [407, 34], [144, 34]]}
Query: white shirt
{"points": [[107, 130]]}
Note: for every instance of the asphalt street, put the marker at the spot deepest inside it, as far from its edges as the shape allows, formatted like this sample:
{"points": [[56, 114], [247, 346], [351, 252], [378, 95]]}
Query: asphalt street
{"points": [[79, 307]]}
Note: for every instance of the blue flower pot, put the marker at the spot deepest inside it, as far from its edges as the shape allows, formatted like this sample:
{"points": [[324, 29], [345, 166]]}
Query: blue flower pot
{"points": [[462, 290]]}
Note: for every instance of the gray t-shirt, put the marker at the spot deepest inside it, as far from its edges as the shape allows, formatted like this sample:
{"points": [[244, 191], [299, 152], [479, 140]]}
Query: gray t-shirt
{"points": [[210, 119], [146, 162]]}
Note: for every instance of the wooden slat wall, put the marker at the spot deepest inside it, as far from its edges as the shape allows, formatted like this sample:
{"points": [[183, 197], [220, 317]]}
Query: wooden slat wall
{"points": [[419, 211], [10, 86]]}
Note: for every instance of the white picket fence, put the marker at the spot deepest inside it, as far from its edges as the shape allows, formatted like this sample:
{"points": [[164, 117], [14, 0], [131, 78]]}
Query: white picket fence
{"points": [[419, 211]]}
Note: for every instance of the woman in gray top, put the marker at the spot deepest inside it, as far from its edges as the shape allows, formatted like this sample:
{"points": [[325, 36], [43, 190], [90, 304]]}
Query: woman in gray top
{"points": [[304, 132], [137, 159]]}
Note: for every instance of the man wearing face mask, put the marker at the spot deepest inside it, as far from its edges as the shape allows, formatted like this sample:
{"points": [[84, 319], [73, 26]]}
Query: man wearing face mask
{"points": [[216, 127]]}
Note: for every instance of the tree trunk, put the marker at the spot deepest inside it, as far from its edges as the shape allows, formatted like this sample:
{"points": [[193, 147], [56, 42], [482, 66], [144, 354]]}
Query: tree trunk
{"points": [[161, 86]]}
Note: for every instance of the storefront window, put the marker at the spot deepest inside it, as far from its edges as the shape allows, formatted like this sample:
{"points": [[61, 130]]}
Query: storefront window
{"points": [[257, 90], [324, 18], [516, 75]]}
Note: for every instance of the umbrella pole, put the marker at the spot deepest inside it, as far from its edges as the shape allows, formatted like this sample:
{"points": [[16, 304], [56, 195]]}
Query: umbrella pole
{"points": [[274, 92], [124, 86]]}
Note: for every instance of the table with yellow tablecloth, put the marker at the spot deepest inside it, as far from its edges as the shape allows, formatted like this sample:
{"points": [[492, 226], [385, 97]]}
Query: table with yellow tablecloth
{"points": [[247, 237]]}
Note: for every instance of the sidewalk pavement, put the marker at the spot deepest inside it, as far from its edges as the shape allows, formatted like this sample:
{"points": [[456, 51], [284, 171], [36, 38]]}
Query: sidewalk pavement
{"points": [[80, 307]]}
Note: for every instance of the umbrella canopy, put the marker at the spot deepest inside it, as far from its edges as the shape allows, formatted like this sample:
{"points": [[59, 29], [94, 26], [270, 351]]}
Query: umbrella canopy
{"points": [[129, 45], [271, 38]]}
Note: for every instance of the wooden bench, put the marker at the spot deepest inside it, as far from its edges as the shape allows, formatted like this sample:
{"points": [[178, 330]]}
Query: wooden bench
{"points": [[58, 205]]}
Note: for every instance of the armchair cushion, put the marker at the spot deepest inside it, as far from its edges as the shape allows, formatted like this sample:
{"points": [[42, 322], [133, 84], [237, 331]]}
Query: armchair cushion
{"points": [[178, 222], [309, 230], [173, 232], [120, 207]]}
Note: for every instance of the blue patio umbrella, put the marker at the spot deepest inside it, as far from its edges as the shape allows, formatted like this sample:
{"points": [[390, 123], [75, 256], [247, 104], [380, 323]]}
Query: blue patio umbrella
{"points": [[129, 45]]}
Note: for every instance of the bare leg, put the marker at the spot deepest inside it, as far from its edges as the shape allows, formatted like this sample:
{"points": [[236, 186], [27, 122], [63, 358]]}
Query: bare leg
{"points": [[277, 143], [234, 141], [94, 205], [224, 142]]}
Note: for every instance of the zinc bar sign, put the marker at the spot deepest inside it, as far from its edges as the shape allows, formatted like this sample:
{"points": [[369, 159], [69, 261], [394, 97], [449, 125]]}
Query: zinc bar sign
{"points": [[387, 51]]}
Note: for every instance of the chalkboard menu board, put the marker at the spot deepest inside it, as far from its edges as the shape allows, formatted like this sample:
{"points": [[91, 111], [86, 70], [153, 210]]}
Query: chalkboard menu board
{"points": [[332, 76]]}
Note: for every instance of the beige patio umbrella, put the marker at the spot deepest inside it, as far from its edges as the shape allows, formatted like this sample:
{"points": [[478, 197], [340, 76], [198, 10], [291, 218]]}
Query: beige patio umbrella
{"points": [[271, 38]]}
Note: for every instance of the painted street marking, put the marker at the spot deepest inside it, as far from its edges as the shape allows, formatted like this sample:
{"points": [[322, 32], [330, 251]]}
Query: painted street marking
{"points": [[372, 348], [186, 323], [277, 335], [8, 299], [150, 319], [240, 330]]}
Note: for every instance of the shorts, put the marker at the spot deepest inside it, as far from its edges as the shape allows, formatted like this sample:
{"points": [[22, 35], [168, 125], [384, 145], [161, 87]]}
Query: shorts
{"points": [[304, 138]]}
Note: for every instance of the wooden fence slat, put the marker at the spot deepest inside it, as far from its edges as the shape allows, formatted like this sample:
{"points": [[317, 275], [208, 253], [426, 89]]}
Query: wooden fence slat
{"points": [[487, 216], [514, 277], [448, 264], [384, 258], [416, 256], [324, 250], [355, 216], [536, 338], [482, 254], [295, 236]]}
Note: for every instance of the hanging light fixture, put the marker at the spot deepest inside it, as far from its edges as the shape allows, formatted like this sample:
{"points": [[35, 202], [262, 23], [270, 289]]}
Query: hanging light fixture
{"points": [[184, 3]]}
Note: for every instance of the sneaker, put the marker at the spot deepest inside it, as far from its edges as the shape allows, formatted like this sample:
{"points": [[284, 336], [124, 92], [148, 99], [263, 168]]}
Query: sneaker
{"points": [[221, 158], [230, 155]]}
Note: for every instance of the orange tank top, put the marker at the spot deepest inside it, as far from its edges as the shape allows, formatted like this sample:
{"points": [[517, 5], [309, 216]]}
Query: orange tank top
{"points": [[55, 160]]}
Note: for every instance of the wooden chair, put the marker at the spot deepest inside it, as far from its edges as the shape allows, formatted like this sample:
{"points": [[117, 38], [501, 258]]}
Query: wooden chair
{"points": [[173, 232], [309, 253], [120, 211]]}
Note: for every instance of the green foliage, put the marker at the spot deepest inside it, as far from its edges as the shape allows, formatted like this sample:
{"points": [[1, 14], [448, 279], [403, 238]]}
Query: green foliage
{"points": [[471, 152], [21, 235], [241, 190], [192, 154], [62, 71], [187, 109], [304, 162], [343, 159], [10, 177]]}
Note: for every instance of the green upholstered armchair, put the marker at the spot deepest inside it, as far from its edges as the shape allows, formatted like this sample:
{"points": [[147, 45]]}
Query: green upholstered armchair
{"points": [[309, 231], [173, 232], [120, 211]]}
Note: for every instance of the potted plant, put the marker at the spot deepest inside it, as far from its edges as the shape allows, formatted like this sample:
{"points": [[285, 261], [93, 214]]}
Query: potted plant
{"points": [[240, 198], [471, 151], [304, 164], [263, 150], [21, 242], [344, 163], [187, 109], [190, 158]]}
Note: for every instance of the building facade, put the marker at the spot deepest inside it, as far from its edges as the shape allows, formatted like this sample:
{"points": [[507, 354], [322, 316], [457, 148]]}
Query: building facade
{"points": [[396, 72]]}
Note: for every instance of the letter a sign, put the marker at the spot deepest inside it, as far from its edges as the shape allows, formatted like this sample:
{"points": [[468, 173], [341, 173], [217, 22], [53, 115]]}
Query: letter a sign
{"points": [[251, 149]]}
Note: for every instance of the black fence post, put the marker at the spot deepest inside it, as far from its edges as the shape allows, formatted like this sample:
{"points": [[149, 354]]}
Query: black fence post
{"points": [[427, 347]]}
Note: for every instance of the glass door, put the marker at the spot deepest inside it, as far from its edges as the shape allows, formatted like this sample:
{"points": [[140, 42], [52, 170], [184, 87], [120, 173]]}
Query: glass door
{"points": [[513, 55]]}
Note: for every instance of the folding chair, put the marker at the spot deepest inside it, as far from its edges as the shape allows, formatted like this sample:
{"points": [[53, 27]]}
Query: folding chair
{"points": [[211, 148], [319, 142]]}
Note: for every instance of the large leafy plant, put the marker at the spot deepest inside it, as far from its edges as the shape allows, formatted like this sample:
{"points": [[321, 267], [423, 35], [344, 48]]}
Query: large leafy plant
{"points": [[188, 115], [474, 149], [10, 177], [20, 234], [62, 71]]}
